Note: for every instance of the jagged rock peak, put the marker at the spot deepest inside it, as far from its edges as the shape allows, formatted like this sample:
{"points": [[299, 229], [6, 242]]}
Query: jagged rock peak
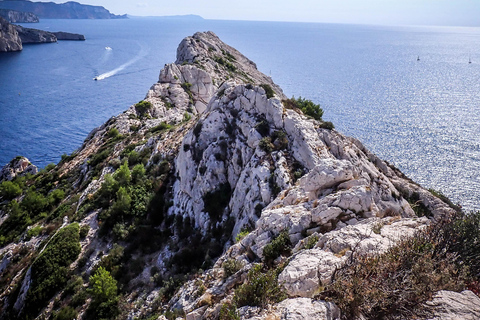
{"points": [[207, 50]]}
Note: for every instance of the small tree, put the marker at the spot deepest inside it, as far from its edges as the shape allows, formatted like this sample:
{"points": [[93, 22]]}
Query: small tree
{"points": [[103, 289], [102, 286], [123, 175]]}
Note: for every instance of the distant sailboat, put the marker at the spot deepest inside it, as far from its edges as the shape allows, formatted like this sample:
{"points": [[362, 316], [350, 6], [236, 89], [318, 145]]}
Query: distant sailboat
{"points": [[418, 58], [469, 60]]}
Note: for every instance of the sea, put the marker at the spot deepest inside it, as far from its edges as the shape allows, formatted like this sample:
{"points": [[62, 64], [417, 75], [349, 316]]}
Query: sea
{"points": [[408, 93]]}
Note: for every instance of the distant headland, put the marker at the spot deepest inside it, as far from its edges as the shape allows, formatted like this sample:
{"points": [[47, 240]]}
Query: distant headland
{"points": [[68, 10]]}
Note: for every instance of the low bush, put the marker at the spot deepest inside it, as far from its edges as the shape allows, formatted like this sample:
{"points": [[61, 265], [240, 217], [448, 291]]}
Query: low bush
{"points": [[307, 106], [103, 289], [277, 247], [327, 125], [113, 133], [266, 144], [142, 107], [268, 90], [259, 289], [229, 311], [66, 313], [161, 127], [230, 267], [396, 284], [9, 190]]}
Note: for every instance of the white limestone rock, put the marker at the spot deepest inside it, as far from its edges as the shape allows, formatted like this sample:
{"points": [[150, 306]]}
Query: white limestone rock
{"points": [[449, 305], [307, 309], [19, 166], [308, 270]]}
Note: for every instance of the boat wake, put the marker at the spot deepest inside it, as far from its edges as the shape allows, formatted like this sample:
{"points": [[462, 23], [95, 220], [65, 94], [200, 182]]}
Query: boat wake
{"points": [[143, 52]]}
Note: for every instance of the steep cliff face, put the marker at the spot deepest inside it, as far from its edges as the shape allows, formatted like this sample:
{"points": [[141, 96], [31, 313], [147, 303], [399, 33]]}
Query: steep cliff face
{"points": [[68, 10], [216, 197], [13, 16], [9, 38]]}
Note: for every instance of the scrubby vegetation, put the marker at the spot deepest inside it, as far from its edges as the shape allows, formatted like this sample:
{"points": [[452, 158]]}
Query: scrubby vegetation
{"points": [[280, 245], [260, 288], [306, 106], [50, 270], [268, 90], [143, 107], [396, 284]]}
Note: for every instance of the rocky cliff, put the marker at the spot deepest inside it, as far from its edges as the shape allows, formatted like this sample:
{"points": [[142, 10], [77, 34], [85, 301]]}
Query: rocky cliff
{"points": [[29, 35], [217, 197], [68, 10], [9, 38], [13, 16]]}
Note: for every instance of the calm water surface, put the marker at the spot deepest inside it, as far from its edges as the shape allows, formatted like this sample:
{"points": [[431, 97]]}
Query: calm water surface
{"points": [[423, 116]]}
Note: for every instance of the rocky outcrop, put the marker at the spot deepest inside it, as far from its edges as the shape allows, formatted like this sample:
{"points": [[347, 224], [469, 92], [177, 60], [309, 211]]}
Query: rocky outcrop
{"points": [[69, 36], [9, 38], [68, 10], [17, 167], [13, 16], [448, 305], [29, 35]]}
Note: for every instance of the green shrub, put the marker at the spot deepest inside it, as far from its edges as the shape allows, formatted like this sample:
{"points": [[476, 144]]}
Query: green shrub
{"points": [[66, 313], [161, 127], [280, 140], [84, 231], [113, 133], [268, 90], [121, 206], [9, 190], [259, 289], [34, 203], [138, 173], [34, 232], [307, 106], [142, 107], [56, 196], [327, 125], [50, 270], [186, 117], [229, 311], [103, 289], [242, 234], [230, 267], [278, 246], [266, 144], [123, 175], [102, 286]]}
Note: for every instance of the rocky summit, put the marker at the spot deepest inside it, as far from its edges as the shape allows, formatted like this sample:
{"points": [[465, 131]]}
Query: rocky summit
{"points": [[217, 197]]}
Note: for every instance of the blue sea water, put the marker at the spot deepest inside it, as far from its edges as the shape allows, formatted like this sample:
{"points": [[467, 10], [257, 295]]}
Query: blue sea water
{"points": [[422, 116]]}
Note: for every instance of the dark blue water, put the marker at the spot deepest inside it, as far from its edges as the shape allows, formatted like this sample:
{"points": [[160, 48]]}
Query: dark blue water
{"points": [[423, 116]]}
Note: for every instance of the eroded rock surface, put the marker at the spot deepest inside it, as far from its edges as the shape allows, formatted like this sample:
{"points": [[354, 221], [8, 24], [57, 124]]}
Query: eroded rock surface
{"points": [[9, 38], [18, 166]]}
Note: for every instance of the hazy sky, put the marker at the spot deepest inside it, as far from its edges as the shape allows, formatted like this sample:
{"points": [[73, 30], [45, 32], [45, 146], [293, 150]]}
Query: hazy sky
{"points": [[399, 12]]}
